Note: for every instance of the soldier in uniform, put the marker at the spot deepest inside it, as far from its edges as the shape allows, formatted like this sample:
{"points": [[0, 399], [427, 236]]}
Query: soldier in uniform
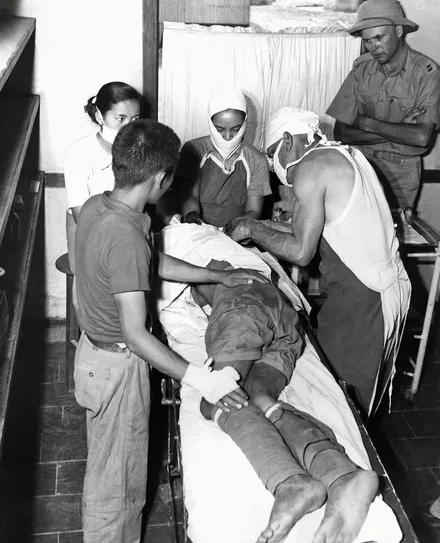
{"points": [[389, 104]]}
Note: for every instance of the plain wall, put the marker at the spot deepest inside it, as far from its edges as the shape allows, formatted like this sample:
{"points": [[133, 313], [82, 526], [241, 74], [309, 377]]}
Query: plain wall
{"points": [[426, 13], [80, 46]]}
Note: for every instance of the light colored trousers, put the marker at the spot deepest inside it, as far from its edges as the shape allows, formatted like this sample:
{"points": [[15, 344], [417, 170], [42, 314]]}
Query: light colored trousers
{"points": [[114, 388]]}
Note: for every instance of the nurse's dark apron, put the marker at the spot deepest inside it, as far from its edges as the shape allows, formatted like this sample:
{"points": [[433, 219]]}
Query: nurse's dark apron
{"points": [[223, 194]]}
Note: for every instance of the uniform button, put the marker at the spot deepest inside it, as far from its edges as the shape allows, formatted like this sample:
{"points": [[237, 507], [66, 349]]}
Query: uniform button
{"points": [[91, 373]]}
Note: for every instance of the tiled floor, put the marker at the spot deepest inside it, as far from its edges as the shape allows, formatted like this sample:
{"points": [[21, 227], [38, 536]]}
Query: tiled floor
{"points": [[44, 453], [408, 441]]}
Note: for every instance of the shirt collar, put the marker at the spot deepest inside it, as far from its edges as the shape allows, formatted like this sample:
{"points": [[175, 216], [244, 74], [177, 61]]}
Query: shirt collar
{"points": [[398, 65], [233, 157], [142, 220]]}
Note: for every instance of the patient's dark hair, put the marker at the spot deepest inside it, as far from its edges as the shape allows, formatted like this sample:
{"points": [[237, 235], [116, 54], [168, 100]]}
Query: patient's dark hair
{"points": [[109, 95], [141, 149]]}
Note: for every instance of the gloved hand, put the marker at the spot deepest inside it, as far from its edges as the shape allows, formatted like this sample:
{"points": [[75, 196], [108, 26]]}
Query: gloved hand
{"points": [[192, 217], [212, 385]]}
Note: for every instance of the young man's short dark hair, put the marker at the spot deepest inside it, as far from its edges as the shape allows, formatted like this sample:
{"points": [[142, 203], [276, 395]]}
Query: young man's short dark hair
{"points": [[141, 149]]}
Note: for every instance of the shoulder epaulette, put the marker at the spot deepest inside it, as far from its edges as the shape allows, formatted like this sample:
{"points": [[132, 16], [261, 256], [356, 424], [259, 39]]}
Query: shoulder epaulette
{"points": [[426, 64], [363, 58]]}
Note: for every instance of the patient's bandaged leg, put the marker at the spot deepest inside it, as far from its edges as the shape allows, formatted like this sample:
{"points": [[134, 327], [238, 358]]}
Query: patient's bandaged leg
{"points": [[312, 443], [262, 445]]}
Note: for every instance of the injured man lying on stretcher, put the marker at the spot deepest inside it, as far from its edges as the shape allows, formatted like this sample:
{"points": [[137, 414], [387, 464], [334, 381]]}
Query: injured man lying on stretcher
{"points": [[255, 330], [298, 458]]}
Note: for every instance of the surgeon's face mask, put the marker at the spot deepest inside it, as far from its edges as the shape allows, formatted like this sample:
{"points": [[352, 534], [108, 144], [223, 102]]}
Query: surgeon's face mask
{"points": [[226, 148], [223, 146], [108, 134], [280, 170]]}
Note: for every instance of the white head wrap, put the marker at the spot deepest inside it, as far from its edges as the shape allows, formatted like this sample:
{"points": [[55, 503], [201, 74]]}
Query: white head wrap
{"points": [[226, 98], [294, 121]]}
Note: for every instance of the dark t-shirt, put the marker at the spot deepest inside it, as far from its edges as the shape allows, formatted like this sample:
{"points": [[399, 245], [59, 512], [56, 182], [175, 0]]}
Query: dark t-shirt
{"points": [[195, 152], [113, 252]]}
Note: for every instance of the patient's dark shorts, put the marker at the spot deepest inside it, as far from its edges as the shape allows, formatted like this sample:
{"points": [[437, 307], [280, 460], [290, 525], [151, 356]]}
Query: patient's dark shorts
{"points": [[254, 322]]}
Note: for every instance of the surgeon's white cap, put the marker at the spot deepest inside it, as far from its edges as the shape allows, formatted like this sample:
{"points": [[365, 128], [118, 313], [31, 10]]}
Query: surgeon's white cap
{"points": [[294, 121], [226, 97]]}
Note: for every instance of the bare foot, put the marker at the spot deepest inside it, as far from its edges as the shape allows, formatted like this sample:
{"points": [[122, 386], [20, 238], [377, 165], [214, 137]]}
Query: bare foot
{"points": [[294, 498], [349, 499]]}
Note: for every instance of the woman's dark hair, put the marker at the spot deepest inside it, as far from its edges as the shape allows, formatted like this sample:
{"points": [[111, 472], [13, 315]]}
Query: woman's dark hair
{"points": [[141, 149], [109, 95]]}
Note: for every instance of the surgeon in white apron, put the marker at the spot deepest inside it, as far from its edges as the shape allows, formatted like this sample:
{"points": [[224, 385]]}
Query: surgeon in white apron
{"points": [[339, 208]]}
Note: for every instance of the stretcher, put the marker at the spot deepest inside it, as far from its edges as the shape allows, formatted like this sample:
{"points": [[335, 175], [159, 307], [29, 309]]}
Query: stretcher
{"points": [[223, 498]]}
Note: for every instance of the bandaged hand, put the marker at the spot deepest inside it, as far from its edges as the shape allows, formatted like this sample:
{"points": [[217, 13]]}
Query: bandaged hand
{"points": [[240, 229], [192, 218], [212, 385]]}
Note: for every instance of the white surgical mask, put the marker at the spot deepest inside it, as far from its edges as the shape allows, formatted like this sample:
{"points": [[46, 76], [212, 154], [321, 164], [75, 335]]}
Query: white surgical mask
{"points": [[108, 134], [226, 148], [279, 170]]}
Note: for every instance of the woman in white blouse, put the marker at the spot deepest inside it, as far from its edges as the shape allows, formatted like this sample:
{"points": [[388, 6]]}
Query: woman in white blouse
{"points": [[88, 161]]}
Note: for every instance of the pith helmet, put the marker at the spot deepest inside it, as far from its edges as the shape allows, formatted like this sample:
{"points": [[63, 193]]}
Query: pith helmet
{"points": [[372, 13]]}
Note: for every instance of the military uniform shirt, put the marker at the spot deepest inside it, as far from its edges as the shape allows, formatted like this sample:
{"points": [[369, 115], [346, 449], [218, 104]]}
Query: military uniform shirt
{"points": [[368, 90]]}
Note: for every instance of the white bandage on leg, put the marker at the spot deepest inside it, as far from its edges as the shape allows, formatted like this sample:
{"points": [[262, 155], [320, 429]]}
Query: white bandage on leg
{"points": [[217, 415], [269, 411]]}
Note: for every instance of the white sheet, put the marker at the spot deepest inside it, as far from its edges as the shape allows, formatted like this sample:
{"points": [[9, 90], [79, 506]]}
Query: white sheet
{"points": [[225, 499]]}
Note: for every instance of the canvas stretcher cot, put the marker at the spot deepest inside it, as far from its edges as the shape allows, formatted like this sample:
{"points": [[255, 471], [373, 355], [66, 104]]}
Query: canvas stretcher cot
{"points": [[223, 494]]}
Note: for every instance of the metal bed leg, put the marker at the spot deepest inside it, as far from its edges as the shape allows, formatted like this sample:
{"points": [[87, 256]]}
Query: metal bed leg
{"points": [[410, 393], [171, 399]]}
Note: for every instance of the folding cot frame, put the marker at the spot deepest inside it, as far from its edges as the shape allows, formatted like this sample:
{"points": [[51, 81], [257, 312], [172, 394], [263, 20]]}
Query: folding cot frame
{"points": [[170, 398]]}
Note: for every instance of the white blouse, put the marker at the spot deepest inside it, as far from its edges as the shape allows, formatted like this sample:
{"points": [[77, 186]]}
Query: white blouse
{"points": [[87, 171]]}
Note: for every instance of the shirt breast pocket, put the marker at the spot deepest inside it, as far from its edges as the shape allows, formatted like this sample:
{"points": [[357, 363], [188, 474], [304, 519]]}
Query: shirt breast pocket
{"points": [[399, 107], [368, 103]]}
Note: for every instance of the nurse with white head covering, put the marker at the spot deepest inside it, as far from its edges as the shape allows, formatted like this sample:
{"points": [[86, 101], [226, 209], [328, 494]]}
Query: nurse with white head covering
{"points": [[220, 176], [339, 210]]}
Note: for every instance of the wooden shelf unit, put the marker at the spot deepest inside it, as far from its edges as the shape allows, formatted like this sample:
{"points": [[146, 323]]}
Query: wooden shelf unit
{"points": [[21, 187], [30, 187], [17, 121], [15, 33]]}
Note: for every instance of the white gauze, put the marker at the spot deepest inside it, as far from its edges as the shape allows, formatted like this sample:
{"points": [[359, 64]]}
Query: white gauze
{"points": [[294, 121]]}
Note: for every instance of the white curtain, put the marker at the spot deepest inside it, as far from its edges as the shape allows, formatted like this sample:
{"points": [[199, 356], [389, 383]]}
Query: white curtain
{"points": [[302, 69]]}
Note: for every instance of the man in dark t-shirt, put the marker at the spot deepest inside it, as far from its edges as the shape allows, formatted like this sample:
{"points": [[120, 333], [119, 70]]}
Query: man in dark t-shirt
{"points": [[114, 270]]}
